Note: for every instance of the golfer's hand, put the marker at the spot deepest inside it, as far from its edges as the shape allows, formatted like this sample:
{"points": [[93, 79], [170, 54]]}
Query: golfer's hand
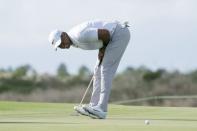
{"points": [[104, 35]]}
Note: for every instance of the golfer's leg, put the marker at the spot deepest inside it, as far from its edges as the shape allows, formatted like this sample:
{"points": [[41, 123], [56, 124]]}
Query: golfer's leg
{"points": [[112, 58], [108, 71], [96, 85]]}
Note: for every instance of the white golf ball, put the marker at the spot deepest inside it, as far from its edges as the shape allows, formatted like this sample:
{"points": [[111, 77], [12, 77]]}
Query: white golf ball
{"points": [[147, 122]]}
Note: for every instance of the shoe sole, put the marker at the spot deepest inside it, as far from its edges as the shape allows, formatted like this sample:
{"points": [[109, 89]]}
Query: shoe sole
{"points": [[88, 114], [92, 115]]}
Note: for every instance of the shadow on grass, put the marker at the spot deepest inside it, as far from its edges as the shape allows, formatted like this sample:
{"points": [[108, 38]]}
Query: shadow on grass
{"points": [[32, 122]]}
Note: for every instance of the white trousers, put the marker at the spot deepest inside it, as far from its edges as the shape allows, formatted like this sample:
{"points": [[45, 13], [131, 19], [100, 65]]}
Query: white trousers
{"points": [[104, 74]]}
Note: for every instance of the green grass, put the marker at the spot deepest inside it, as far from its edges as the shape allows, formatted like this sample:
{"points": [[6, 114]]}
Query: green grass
{"points": [[24, 116]]}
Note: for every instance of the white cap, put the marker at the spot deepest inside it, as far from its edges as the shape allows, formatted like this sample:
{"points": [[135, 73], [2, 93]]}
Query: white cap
{"points": [[55, 38]]}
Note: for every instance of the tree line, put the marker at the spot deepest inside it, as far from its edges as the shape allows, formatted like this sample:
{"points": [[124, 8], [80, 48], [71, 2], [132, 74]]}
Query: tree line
{"points": [[25, 84]]}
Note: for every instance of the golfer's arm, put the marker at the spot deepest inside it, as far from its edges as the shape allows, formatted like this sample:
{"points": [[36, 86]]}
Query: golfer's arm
{"points": [[104, 35]]}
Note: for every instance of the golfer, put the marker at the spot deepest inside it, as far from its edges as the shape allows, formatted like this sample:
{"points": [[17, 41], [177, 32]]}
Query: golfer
{"points": [[111, 39]]}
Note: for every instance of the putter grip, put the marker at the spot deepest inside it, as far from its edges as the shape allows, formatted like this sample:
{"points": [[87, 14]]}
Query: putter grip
{"points": [[100, 62]]}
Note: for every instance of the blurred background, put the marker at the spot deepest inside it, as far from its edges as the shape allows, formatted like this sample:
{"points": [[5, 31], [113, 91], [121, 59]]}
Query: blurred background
{"points": [[159, 66]]}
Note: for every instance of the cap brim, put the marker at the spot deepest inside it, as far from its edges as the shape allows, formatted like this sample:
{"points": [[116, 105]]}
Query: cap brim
{"points": [[56, 44]]}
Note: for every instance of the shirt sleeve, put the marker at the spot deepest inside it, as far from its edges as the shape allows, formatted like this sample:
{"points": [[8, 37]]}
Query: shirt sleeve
{"points": [[89, 35]]}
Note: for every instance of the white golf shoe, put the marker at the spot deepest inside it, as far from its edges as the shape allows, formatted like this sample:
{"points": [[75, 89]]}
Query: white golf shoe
{"points": [[95, 112], [80, 110]]}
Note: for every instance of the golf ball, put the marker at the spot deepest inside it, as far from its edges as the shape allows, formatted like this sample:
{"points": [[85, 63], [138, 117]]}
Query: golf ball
{"points": [[147, 122]]}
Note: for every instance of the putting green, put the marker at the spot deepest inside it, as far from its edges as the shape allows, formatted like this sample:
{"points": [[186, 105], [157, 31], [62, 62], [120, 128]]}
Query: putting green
{"points": [[26, 116]]}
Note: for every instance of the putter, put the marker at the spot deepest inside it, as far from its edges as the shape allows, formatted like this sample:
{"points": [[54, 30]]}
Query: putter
{"points": [[90, 83], [75, 113]]}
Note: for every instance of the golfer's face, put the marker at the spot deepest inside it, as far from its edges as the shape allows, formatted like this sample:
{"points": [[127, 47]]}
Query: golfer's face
{"points": [[65, 42]]}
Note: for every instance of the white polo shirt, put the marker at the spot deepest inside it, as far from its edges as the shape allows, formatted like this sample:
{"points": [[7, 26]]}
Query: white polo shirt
{"points": [[85, 35]]}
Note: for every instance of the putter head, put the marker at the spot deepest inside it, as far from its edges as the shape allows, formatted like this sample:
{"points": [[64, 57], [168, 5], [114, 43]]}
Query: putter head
{"points": [[75, 107], [75, 113]]}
